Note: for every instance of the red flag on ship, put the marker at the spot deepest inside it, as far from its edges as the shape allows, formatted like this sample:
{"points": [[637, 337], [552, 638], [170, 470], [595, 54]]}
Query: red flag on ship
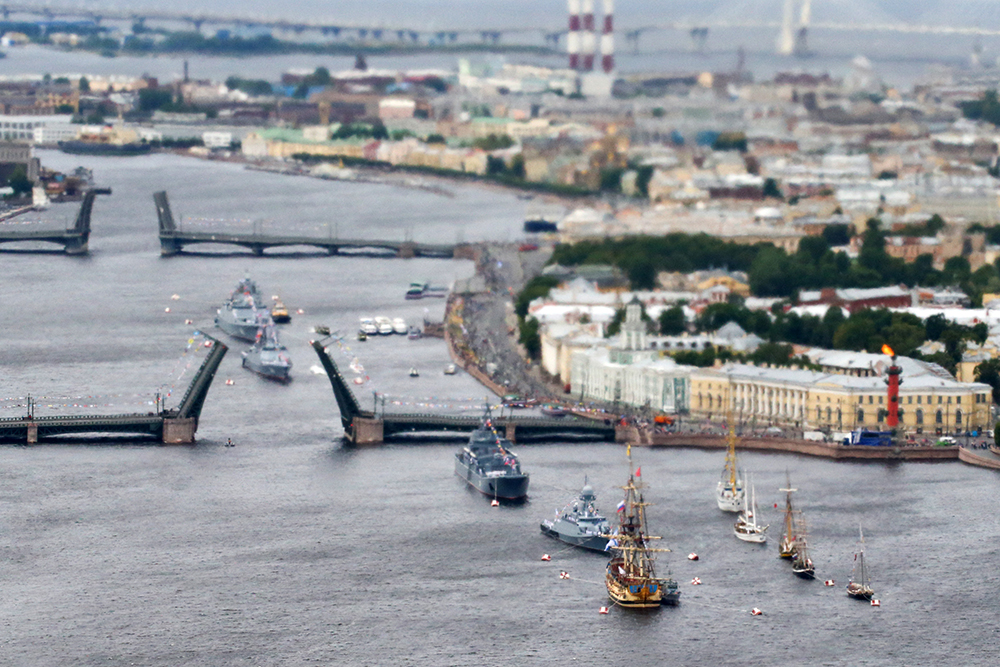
{"points": [[638, 472]]}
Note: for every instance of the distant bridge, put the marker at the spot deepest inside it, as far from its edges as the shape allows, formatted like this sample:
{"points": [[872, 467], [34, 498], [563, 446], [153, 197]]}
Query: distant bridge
{"points": [[74, 240], [175, 426], [368, 427], [173, 240]]}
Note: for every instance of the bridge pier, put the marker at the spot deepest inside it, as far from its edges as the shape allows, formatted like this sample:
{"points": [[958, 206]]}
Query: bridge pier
{"points": [[32, 433], [257, 249], [407, 250], [511, 432], [76, 247], [179, 431], [465, 251], [169, 247], [367, 431]]}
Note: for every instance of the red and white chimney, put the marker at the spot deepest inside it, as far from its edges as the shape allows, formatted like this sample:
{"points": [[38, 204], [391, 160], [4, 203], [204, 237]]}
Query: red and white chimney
{"points": [[588, 40], [608, 38], [573, 36]]}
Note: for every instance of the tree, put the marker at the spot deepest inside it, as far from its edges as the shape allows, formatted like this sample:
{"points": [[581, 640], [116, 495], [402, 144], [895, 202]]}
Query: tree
{"points": [[854, 335], [84, 85], [151, 99], [771, 189], [19, 182], [530, 338], [672, 321], [988, 372]]}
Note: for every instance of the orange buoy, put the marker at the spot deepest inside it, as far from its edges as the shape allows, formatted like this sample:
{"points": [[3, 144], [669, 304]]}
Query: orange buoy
{"points": [[756, 612], [546, 557], [876, 603], [692, 556], [603, 610]]}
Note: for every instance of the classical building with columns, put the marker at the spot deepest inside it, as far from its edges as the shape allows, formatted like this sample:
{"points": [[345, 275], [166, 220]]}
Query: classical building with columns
{"points": [[929, 403]]}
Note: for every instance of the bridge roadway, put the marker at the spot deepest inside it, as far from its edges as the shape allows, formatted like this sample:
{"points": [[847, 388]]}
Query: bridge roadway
{"points": [[174, 426], [74, 240], [367, 427], [173, 240]]}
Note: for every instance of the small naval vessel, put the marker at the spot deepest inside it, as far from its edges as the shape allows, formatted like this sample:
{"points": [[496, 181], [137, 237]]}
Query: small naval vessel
{"points": [[488, 465], [240, 315], [579, 523], [268, 356]]}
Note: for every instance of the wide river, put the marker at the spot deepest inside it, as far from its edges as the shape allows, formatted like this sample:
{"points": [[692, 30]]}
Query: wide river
{"points": [[292, 549]]}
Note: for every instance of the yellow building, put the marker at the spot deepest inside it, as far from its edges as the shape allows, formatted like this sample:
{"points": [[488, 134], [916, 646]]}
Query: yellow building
{"points": [[813, 400]]}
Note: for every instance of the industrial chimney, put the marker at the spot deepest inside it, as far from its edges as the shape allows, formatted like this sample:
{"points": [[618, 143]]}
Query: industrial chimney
{"points": [[573, 36], [608, 38], [589, 40]]}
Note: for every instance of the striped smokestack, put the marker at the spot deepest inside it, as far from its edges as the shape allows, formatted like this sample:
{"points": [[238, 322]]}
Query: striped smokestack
{"points": [[588, 41], [608, 38], [573, 36]]}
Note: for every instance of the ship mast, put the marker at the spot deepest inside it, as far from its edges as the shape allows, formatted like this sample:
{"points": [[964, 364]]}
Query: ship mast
{"points": [[731, 456], [789, 522]]}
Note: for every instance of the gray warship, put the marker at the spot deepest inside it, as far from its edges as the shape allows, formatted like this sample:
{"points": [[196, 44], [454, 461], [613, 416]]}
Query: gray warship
{"points": [[488, 465], [579, 523], [238, 317], [268, 356]]}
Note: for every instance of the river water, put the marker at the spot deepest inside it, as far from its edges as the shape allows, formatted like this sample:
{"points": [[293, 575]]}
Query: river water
{"points": [[291, 549]]}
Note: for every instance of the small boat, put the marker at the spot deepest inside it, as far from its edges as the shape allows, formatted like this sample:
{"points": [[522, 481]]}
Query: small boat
{"points": [[786, 546], [730, 494], [579, 523], [859, 587], [368, 326], [553, 411], [279, 313], [746, 527], [383, 326], [414, 373], [802, 565], [631, 575], [362, 336], [416, 290], [321, 330], [414, 334], [449, 369], [399, 326]]}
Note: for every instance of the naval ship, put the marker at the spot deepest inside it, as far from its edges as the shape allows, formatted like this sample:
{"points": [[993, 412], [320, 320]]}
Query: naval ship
{"points": [[488, 465], [580, 524], [268, 356], [240, 316]]}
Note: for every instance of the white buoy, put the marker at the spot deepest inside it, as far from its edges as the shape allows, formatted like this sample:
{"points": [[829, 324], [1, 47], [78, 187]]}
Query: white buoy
{"points": [[692, 556], [166, 310], [876, 603], [828, 582], [756, 612], [230, 383], [495, 503], [603, 610], [300, 311], [175, 297], [564, 575], [546, 557], [188, 321], [696, 581]]}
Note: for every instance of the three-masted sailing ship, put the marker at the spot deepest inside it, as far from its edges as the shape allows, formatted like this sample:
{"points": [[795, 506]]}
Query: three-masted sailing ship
{"points": [[860, 584], [730, 494], [746, 527], [631, 577], [786, 546]]}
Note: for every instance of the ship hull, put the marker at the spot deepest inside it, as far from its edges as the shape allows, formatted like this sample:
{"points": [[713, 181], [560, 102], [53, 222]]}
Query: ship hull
{"points": [[860, 592], [636, 594], [588, 542], [279, 372], [96, 148], [243, 331], [756, 538], [805, 574], [507, 487], [729, 501]]}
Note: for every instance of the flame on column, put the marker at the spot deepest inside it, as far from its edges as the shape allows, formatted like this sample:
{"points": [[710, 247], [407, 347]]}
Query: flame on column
{"points": [[888, 350]]}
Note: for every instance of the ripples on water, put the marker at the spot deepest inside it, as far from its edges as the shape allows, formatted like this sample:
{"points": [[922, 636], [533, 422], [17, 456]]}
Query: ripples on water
{"points": [[291, 549]]}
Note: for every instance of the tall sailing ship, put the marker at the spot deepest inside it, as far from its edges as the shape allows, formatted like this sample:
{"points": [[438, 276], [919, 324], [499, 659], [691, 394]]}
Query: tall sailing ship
{"points": [[730, 494], [631, 576], [860, 585], [786, 546], [802, 565]]}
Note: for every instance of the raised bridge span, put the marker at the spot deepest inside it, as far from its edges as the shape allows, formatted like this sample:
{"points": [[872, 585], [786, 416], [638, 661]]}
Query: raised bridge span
{"points": [[75, 240], [368, 427], [175, 426], [173, 240]]}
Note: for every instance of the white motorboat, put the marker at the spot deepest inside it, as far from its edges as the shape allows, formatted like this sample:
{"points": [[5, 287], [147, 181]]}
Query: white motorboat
{"points": [[449, 369], [368, 326], [414, 373], [730, 494], [746, 527], [399, 326], [383, 325]]}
